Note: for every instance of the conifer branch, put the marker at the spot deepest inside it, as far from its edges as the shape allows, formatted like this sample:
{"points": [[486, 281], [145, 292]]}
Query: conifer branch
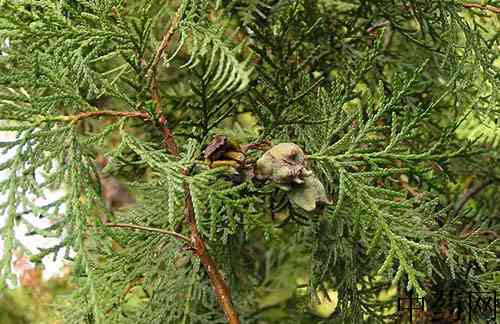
{"points": [[168, 138], [385, 22], [372, 130], [482, 7], [150, 229], [91, 114], [219, 285], [153, 68], [169, 141]]}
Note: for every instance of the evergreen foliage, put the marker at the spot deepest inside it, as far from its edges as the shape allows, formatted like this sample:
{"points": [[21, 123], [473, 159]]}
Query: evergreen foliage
{"points": [[376, 93]]}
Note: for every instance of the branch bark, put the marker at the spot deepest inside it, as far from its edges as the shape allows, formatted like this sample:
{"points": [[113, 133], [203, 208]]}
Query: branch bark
{"points": [[482, 7], [168, 138], [151, 229], [91, 114], [169, 33], [219, 285]]}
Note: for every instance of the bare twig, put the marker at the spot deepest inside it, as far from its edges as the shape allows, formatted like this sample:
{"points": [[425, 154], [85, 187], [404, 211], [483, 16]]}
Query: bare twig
{"points": [[91, 114], [153, 85], [151, 229], [482, 7], [471, 193], [134, 283], [169, 33]]}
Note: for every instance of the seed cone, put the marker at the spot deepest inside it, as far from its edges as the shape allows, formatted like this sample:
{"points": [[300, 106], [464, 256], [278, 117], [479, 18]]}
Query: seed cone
{"points": [[284, 164]]}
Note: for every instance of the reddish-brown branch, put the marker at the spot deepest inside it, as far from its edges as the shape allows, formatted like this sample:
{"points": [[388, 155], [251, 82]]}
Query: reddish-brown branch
{"points": [[482, 7], [168, 138], [219, 285], [164, 43], [91, 114]]}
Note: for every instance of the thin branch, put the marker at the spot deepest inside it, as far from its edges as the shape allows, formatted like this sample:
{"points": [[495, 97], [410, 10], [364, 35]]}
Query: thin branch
{"points": [[471, 193], [153, 67], [151, 229], [92, 114], [467, 232], [301, 95], [168, 138], [219, 285], [482, 7]]}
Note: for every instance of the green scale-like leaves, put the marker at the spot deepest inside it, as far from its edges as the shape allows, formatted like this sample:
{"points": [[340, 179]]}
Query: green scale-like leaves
{"points": [[372, 92], [210, 42]]}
